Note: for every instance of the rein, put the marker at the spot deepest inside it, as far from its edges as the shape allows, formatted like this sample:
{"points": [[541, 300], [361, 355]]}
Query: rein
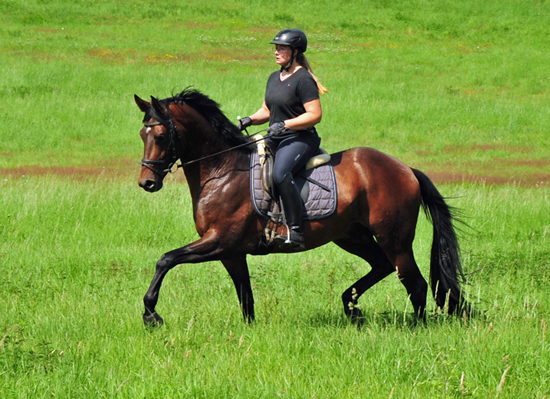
{"points": [[172, 148], [224, 151]]}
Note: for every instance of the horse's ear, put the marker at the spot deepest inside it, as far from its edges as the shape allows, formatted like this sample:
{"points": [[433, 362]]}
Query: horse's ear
{"points": [[159, 108], [142, 104]]}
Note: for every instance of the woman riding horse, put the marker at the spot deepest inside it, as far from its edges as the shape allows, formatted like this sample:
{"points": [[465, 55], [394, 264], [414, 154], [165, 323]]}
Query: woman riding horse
{"points": [[293, 108], [379, 198]]}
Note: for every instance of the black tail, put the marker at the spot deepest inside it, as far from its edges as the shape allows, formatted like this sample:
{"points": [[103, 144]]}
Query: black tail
{"points": [[445, 268]]}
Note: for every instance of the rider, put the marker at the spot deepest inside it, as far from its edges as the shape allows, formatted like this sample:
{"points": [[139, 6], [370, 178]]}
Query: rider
{"points": [[293, 108]]}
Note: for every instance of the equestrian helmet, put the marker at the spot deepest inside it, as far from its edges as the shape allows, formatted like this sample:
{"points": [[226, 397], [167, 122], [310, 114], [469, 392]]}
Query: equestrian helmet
{"points": [[294, 38]]}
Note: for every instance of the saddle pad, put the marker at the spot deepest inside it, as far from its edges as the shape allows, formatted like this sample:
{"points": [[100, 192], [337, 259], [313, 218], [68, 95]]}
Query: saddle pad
{"points": [[320, 202]]}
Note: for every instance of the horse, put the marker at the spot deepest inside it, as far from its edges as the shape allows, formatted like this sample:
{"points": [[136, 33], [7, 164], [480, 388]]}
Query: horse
{"points": [[378, 204]]}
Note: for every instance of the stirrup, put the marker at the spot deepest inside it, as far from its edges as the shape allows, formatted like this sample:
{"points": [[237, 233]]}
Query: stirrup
{"points": [[295, 241]]}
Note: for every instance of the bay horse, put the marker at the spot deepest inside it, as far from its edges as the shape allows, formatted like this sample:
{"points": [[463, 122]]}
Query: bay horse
{"points": [[379, 199]]}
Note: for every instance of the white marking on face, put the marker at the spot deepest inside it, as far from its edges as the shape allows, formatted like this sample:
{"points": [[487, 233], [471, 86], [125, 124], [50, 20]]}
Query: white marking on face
{"points": [[147, 130]]}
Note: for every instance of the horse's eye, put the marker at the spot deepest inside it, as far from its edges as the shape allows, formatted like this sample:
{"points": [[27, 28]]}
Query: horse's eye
{"points": [[160, 140]]}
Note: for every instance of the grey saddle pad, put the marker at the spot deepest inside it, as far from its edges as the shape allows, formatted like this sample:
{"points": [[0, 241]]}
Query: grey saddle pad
{"points": [[320, 203]]}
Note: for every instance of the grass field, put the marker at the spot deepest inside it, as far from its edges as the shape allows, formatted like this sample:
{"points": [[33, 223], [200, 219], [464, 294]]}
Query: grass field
{"points": [[457, 89]]}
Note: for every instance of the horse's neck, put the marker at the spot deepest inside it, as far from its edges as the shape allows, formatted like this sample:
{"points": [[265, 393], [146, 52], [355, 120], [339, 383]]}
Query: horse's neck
{"points": [[204, 144], [201, 139], [215, 173], [212, 154]]}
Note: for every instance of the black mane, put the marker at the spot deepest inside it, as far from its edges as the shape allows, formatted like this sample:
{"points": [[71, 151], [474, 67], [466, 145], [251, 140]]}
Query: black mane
{"points": [[210, 109]]}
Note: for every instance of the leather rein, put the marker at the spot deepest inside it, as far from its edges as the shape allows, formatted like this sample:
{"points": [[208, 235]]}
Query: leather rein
{"points": [[173, 131]]}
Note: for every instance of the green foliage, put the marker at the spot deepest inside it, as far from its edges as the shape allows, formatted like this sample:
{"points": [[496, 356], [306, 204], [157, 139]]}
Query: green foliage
{"points": [[445, 86], [78, 255], [416, 79]]}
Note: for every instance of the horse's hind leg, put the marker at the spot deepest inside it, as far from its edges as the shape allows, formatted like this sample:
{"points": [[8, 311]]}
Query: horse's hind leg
{"points": [[363, 245], [238, 270], [412, 279]]}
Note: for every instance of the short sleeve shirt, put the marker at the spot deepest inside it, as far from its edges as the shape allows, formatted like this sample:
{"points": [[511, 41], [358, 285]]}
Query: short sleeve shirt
{"points": [[286, 99]]}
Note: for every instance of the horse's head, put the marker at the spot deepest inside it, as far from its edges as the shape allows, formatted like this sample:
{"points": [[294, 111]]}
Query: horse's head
{"points": [[158, 135], [189, 125]]}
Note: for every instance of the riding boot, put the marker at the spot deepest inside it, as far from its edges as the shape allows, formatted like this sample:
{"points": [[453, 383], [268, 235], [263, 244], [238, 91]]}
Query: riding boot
{"points": [[292, 206]]}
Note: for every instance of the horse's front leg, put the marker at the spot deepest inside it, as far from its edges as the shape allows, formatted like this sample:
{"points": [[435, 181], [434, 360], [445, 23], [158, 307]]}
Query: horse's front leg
{"points": [[238, 270], [204, 250]]}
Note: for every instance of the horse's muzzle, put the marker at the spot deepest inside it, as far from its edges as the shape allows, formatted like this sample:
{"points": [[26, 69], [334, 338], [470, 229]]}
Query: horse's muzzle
{"points": [[150, 185], [151, 178]]}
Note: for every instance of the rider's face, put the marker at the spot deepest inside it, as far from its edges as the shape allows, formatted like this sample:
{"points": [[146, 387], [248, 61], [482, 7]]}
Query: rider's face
{"points": [[283, 54]]}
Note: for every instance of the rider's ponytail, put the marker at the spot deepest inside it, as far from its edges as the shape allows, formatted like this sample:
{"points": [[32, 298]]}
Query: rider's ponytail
{"points": [[302, 60]]}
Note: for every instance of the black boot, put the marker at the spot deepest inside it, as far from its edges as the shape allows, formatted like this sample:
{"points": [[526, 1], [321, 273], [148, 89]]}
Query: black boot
{"points": [[292, 206]]}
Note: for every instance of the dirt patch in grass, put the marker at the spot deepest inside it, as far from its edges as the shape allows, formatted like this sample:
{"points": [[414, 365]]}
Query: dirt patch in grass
{"points": [[83, 173], [502, 171], [77, 173], [504, 165], [541, 179]]}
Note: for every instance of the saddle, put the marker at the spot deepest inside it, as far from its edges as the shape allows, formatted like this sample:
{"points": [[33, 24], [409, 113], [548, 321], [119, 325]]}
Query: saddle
{"points": [[316, 181]]}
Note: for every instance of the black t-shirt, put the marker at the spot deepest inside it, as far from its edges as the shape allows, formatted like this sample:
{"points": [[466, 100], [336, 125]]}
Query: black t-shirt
{"points": [[286, 99]]}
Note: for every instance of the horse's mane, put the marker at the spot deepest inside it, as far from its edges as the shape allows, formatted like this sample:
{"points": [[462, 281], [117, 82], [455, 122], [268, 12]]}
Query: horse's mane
{"points": [[210, 109]]}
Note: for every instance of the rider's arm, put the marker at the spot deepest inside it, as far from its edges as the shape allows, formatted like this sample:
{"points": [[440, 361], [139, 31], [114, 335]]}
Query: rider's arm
{"points": [[261, 116], [310, 118]]}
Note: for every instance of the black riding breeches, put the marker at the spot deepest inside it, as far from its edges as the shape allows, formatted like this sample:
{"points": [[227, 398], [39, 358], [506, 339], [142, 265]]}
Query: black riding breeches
{"points": [[292, 154]]}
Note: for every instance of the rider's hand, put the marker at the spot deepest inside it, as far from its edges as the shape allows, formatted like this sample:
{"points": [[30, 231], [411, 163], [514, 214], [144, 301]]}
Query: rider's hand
{"points": [[244, 123], [276, 129]]}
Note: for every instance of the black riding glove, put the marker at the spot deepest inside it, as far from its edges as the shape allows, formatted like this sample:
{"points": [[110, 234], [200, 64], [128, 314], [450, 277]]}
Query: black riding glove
{"points": [[244, 123], [276, 129]]}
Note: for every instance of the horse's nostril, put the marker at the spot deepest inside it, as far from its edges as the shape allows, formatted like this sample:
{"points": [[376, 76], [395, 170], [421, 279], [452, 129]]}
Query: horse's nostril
{"points": [[148, 185]]}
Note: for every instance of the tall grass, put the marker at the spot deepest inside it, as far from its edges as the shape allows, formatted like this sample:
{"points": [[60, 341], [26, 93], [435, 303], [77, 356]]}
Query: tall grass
{"points": [[460, 87], [420, 80], [79, 255]]}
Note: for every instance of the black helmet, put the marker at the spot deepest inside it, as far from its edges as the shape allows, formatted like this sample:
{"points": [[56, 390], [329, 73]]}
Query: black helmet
{"points": [[294, 38]]}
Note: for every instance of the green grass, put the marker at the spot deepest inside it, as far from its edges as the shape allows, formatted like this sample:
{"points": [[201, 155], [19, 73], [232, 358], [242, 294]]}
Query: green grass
{"points": [[416, 79], [455, 88], [79, 255]]}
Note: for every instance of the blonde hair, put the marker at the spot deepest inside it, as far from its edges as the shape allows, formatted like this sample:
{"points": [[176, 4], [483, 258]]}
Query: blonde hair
{"points": [[302, 60]]}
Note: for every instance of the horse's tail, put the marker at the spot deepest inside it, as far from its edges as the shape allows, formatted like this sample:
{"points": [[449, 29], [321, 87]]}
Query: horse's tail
{"points": [[446, 273]]}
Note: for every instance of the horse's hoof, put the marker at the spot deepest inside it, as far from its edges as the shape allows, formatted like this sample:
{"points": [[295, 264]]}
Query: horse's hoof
{"points": [[152, 320], [357, 318]]}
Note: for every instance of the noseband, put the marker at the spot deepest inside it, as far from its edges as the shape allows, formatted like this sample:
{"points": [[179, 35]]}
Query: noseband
{"points": [[171, 148]]}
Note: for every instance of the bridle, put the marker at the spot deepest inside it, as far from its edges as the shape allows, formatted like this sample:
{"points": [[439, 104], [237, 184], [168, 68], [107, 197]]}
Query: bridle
{"points": [[171, 148]]}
